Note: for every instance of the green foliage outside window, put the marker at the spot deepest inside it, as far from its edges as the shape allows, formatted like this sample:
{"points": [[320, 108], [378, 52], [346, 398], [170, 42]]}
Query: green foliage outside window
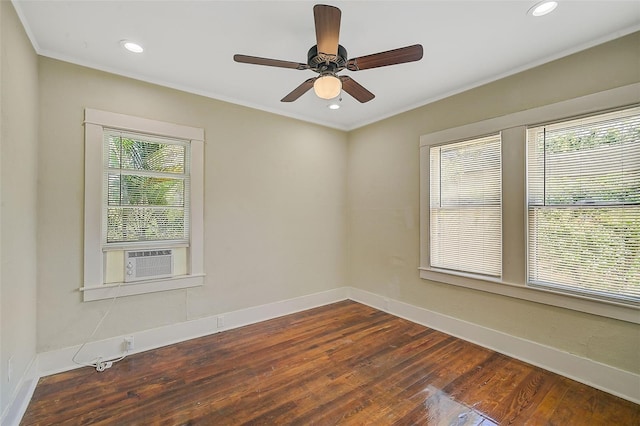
{"points": [[146, 187], [584, 205]]}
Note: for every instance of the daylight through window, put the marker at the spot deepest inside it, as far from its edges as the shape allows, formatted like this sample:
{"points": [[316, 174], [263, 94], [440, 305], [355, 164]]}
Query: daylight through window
{"points": [[584, 205], [147, 189], [465, 206]]}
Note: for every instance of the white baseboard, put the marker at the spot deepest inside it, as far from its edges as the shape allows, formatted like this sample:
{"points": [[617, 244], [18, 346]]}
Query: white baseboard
{"points": [[13, 413], [600, 376], [609, 379], [60, 360]]}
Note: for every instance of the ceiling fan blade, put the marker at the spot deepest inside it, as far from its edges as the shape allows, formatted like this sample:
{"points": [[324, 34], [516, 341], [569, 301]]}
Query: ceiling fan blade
{"points": [[299, 91], [390, 57], [269, 62], [354, 88], [327, 20]]}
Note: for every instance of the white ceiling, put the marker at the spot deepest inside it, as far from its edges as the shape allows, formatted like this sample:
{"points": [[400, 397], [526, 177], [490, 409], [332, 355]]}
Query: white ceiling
{"points": [[189, 45]]}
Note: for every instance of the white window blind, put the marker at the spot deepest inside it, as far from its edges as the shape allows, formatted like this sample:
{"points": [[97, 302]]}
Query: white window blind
{"points": [[584, 205], [465, 206], [146, 189]]}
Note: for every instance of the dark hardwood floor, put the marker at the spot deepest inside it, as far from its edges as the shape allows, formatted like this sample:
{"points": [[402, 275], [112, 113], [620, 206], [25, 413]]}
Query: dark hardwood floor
{"points": [[343, 363]]}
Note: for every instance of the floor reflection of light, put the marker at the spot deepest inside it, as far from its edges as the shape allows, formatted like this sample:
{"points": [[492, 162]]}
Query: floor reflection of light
{"points": [[441, 409]]}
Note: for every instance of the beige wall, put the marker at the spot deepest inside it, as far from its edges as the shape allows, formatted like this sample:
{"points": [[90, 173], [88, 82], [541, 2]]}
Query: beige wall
{"points": [[18, 188], [275, 206], [291, 208], [384, 196]]}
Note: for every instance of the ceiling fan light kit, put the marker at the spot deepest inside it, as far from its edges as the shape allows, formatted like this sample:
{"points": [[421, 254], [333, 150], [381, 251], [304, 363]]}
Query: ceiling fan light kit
{"points": [[327, 86], [327, 58]]}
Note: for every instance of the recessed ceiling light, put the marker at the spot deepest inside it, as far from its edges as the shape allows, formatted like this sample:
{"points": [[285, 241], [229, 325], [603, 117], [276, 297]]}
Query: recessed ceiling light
{"points": [[131, 46], [334, 106], [543, 8]]}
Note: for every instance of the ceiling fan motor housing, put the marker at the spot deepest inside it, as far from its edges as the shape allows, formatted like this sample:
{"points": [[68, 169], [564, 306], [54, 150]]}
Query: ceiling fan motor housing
{"points": [[323, 63]]}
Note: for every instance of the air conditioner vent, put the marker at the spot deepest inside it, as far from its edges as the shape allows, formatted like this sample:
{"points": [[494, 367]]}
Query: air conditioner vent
{"points": [[148, 264]]}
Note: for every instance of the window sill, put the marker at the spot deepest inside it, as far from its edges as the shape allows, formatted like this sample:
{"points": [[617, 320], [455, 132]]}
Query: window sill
{"points": [[109, 291], [605, 308], [144, 245]]}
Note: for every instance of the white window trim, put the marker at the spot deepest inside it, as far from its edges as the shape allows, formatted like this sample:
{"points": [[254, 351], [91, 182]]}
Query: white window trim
{"points": [[514, 245], [95, 122]]}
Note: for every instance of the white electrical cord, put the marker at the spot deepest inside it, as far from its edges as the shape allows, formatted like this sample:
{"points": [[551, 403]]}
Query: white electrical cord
{"points": [[99, 364]]}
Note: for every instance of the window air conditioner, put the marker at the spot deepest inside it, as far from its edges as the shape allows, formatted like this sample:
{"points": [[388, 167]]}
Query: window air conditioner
{"points": [[147, 264]]}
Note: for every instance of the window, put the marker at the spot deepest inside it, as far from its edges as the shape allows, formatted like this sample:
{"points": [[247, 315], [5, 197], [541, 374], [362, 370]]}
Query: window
{"points": [[548, 211], [143, 202], [465, 206], [146, 184], [584, 205]]}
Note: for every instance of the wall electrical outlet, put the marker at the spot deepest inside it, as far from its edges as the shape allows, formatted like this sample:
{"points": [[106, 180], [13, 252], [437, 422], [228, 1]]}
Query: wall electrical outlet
{"points": [[128, 343], [220, 321]]}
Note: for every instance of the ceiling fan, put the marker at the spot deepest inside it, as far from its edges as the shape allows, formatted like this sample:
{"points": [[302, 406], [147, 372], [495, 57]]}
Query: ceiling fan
{"points": [[327, 58]]}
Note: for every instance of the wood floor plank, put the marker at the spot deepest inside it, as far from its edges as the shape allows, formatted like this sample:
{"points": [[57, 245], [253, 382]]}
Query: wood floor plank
{"points": [[344, 363]]}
